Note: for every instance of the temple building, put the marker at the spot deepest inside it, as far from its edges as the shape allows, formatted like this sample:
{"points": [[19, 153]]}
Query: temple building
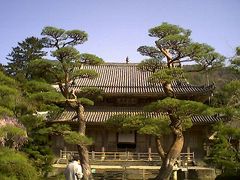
{"points": [[126, 90]]}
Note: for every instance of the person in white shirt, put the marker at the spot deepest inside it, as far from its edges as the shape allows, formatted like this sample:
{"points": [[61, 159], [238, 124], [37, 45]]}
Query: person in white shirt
{"points": [[73, 170]]}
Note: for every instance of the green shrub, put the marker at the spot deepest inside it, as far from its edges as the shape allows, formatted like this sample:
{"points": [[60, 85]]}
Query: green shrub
{"points": [[15, 165]]}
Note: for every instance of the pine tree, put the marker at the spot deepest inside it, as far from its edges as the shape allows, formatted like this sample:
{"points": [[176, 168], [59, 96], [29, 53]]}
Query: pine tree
{"points": [[20, 57], [64, 70]]}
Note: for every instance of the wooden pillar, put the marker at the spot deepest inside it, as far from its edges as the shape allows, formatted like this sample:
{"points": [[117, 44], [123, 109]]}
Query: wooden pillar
{"points": [[104, 143]]}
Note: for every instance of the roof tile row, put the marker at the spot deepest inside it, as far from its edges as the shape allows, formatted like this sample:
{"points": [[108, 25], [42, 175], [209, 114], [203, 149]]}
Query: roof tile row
{"points": [[126, 78], [102, 114]]}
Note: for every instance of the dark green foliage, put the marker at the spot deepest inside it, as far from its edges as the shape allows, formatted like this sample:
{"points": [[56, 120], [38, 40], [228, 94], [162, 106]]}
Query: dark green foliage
{"points": [[180, 107], [67, 56], [66, 69], [56, 38], [117, 121], [94, 94], [15, 165], [47, 69], [151, 65], [140, 123], [224, 150], [42, 96], [9, 96], [68, 65], [38, 147], [12, 133], [37, 86], [86, 101], [150, 51], [167, 75], [13, 136], [76, 138], [41, 69], [59, 129], [228, 95], [26, 51], [84, 73], [235, 61], [5, 112], [219, 76], [166, 30], [5, 80], [31, 122], [90, 59], [174, 43], [156, 126]]}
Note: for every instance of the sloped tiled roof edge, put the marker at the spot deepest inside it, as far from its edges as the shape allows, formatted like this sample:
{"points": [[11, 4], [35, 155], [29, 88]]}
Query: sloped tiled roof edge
{"points": [[99, 115]]}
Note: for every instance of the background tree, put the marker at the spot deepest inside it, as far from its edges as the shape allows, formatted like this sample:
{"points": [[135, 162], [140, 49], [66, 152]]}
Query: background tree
{"points": [[22, 101], [65, 70], [224, 150], [235, 61], [41, 97], [9, 95], [12, 133], [174, 46], [26, 51]]}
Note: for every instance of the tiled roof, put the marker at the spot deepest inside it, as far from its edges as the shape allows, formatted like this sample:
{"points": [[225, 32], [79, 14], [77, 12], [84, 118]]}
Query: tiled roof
{"points": [[103, 113], [127, 79]]}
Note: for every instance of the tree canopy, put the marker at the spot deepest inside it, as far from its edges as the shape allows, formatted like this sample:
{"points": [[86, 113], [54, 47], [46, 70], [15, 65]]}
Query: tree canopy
{"points": [[20, 57], [175, 45]]}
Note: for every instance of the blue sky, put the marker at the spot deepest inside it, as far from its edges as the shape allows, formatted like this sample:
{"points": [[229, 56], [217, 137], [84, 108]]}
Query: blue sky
{"points": [[116, 28]]}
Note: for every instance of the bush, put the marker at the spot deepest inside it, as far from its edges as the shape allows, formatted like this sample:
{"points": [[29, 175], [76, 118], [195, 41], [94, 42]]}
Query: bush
{"points": [[15, 165]]}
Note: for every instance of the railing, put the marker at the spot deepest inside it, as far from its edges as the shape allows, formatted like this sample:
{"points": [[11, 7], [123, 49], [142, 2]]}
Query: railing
{"points": [[127, 156]]}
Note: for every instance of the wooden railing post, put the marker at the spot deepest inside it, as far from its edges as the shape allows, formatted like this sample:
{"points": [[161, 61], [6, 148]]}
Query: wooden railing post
{"points": [[143, 174], [93, 155], [103, 154], [150, 154], [183, 159], [115, 155], [188, 154], [138, 155], [61, 155]]}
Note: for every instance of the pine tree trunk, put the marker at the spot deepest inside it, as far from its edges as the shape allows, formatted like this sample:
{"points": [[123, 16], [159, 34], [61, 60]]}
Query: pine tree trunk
{"points": [[84, 159], [168, 161], [174, 151], [82, 149]]}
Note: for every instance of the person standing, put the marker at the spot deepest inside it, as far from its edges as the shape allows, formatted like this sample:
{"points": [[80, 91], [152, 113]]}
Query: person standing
{"points": [[73, 170]]}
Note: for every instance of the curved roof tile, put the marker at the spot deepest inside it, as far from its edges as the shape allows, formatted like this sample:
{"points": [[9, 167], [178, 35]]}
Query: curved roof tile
{"points": [[126, 78]]}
